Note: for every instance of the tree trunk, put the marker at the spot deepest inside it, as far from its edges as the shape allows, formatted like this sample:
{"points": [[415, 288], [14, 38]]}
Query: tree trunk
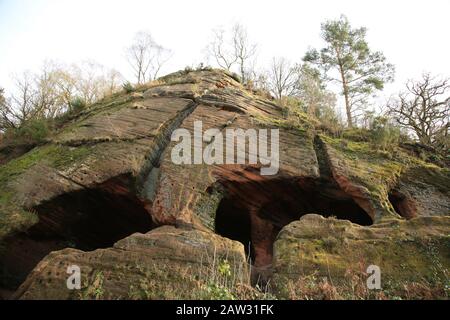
{"points": [[347, 107], [242, 71], [346, 97]]}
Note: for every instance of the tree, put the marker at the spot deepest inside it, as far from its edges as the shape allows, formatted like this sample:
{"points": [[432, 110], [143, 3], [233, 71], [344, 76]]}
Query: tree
{"points": [[282, 78], [113, 81], [2, 98], [311, 91], [52, 91], [236, 50], [424, 108], [93, 81], [66, 85], [358, 70], [244, 50], [5, 112], [22, 103], [224, 57], [19, 107], [383, 134], [146, 57], [47, 101]]}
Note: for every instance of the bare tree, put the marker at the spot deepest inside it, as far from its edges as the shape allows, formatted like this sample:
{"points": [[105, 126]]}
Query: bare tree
{"points": [[6, 114], [424, 108], [93, 81], [243, 50], [260, 80], [51, 91], [24, 104], [234, 50], [36, 96], [90, 81], [282, 77], [113, 81], [224, 57], [162, 56], [146, 57], [23, 100], [47, 102], [66, 84]]}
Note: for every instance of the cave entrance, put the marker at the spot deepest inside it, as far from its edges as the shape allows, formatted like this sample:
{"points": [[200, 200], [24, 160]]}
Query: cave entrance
{"points": [[254, 212], [402, 204], [88, 219]]}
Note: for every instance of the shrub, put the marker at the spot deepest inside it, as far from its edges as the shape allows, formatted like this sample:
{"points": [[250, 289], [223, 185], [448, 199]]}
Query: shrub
{"points": [[128, 87], [294, 116], [384, 135], [330, 243], [188, 69], [330, 123], [31, 132], [77, 104], [202, 67], [357, 134], [290, 105]]}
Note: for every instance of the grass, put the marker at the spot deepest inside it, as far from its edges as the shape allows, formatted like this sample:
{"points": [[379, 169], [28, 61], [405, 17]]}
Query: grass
{"points": [[93, 289], [293, 120], [223, 278], [215, 277], [354, 287]]}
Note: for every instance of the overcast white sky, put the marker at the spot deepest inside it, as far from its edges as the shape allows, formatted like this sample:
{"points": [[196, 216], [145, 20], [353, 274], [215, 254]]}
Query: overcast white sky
{"points": [[413, 34]]}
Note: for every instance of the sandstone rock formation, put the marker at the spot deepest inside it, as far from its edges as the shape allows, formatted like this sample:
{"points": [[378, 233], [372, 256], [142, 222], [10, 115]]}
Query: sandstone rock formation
{"points": [[104, 193], [341, 252], [165, 263]]}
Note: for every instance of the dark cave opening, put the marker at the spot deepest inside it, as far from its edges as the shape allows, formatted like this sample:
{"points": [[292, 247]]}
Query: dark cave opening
{"points": [[234, 223], [255, 211], [88, 219], [402, 204]]}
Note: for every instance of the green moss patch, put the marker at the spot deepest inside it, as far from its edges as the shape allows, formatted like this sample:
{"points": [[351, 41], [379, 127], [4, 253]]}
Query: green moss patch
{"points": [[12, 216]]}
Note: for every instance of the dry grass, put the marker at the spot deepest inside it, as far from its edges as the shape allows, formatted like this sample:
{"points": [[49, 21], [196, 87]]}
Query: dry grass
{"points": [[222, 277], [353, 287]]}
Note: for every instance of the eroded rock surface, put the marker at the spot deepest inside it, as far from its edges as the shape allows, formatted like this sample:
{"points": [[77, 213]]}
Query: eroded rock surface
{"points": [[422, 191], [166, 263], [341, 252], [102, 187]]}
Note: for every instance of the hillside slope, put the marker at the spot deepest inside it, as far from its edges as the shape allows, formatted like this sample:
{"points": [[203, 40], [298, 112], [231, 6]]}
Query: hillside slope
{"points": [[104, 194]]}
